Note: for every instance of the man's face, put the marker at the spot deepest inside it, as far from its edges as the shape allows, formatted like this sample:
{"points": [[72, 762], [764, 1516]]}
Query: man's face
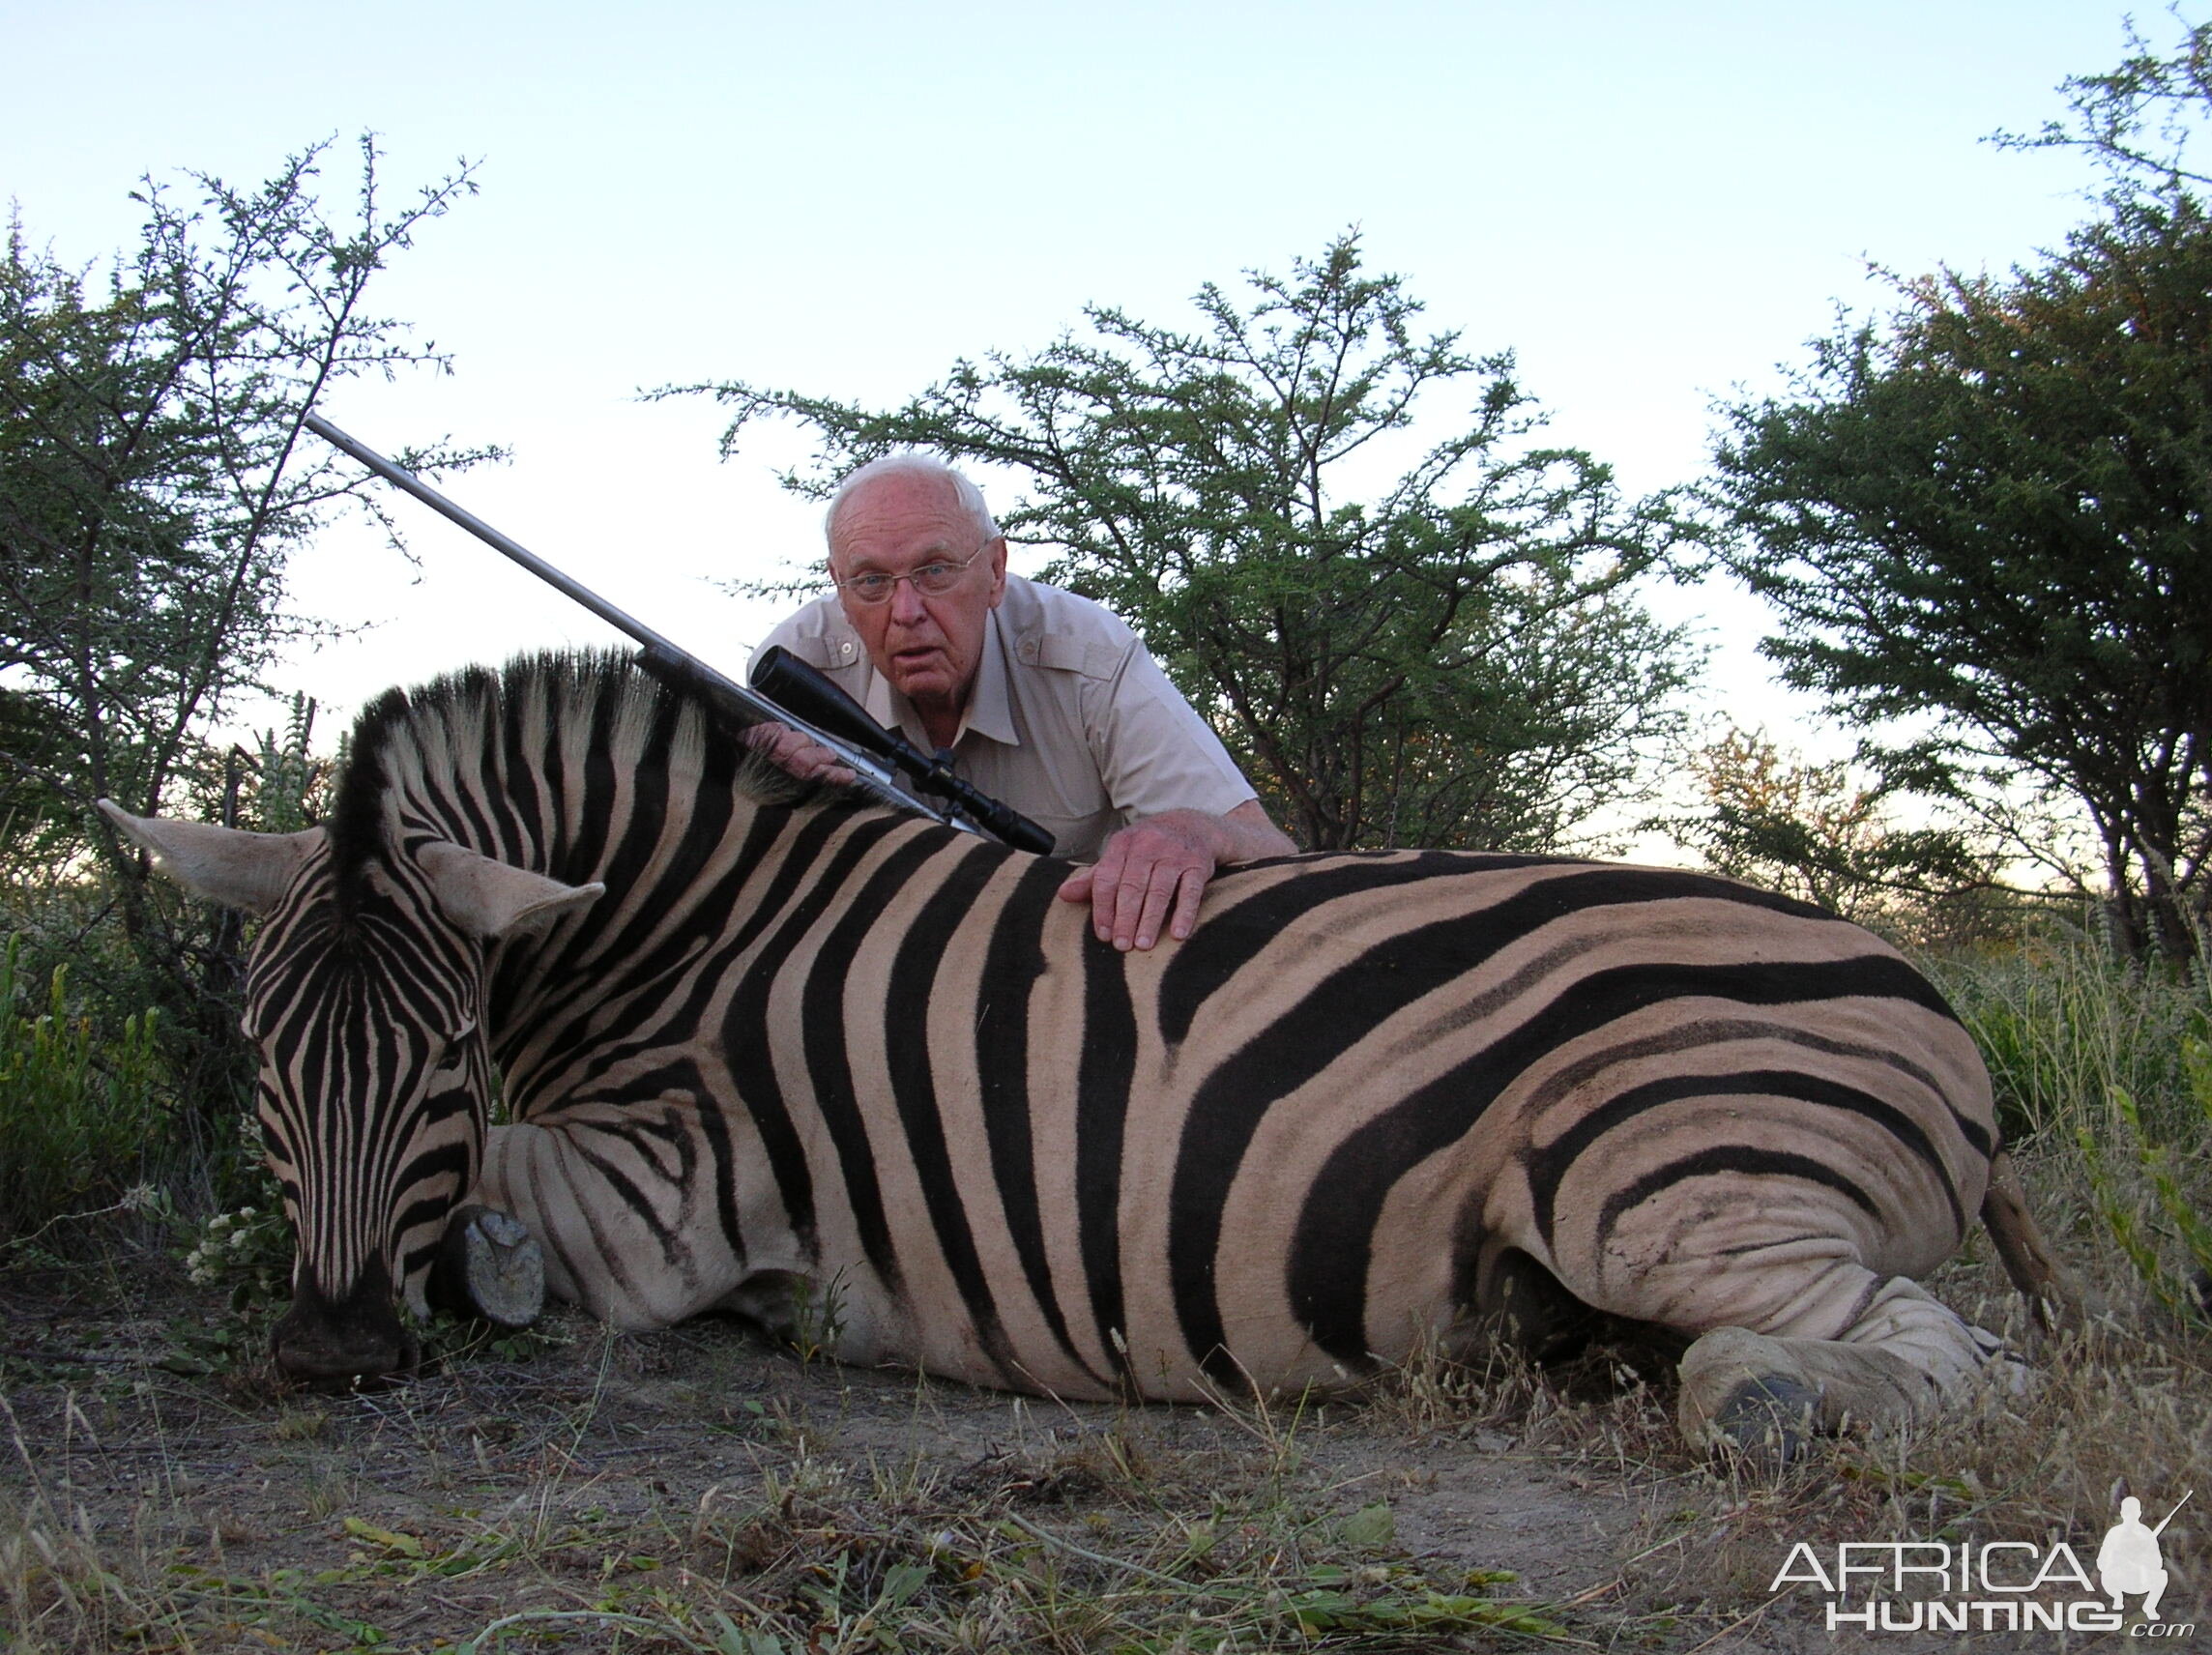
{"points": [[927, 647]]}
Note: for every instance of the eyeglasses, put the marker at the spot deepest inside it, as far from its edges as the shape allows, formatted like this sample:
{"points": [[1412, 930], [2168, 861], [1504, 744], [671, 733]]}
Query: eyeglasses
{"points": [[931, 580]]}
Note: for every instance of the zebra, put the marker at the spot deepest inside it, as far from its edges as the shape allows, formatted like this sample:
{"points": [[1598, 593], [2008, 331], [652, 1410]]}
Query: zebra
{"points": [[770, 1048]]}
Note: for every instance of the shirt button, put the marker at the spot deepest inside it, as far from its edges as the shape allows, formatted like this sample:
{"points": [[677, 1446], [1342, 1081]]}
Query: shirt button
{"points": [[1028, 650]]}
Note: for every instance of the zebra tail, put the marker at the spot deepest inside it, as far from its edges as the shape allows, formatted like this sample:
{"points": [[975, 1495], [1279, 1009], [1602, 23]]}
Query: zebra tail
{"points": [[2055, 1293]]}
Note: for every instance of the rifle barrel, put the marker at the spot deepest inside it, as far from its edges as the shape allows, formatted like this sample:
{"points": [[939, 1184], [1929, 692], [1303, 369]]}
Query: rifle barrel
{"points": [[400, 477], [873, 777]]}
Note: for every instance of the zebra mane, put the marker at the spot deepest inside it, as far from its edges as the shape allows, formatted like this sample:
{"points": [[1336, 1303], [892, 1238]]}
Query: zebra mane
{"points": [[458, 717]]}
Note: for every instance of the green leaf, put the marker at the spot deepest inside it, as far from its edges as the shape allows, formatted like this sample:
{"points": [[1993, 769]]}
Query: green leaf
{"points": [[406, 1545], [1370, 1529]]}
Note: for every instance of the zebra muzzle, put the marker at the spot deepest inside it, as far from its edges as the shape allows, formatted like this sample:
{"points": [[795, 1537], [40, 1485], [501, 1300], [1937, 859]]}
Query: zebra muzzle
{"points": [[348, 1341]]}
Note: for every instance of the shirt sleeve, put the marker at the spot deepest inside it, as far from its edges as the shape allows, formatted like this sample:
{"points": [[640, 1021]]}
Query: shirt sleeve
{"points": [[1154, 753]]}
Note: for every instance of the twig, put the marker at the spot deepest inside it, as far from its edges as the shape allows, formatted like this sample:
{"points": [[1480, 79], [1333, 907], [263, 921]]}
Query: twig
{"points": [[473, 1645], [135, 1198], [1741, 1620], [1099, 1557], [1595, 1592], [26, 1353]]}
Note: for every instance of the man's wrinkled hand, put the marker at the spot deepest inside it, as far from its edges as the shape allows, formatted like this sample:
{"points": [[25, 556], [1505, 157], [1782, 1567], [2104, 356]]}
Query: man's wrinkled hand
{"points": [[796, 752], [1152, 871]]}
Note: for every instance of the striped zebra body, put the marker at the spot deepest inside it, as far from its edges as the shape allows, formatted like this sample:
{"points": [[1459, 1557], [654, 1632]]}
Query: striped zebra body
{"points": [[860, 1073]]}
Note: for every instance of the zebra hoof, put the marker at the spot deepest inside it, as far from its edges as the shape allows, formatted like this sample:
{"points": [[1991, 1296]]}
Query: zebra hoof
{"points": [[489, 1267], [1742, 1392], [1769, 1420]]}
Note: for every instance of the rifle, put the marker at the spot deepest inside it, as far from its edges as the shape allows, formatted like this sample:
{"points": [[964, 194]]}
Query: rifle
{"points": [[783, 677], [831, 717], [2175, 1513]]}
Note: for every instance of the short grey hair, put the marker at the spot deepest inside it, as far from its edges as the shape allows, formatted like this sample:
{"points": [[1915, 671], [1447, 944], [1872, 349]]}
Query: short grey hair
{"points": [[918, 464]]}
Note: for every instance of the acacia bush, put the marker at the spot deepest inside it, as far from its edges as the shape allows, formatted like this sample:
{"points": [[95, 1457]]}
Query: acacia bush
{"points": [[1457, 656], [155, 479], [1830, 834]]}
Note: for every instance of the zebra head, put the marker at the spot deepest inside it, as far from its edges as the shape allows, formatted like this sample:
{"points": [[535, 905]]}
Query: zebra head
{"points": [[374, 1092]]}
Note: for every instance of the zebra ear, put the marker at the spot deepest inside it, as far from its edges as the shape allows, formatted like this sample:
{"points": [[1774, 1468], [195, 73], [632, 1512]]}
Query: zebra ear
{"points": [[493, 899], [228, 865]]}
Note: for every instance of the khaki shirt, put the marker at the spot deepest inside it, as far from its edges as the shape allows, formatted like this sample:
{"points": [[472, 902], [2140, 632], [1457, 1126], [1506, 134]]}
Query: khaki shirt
{"points": [[1070, 720]]}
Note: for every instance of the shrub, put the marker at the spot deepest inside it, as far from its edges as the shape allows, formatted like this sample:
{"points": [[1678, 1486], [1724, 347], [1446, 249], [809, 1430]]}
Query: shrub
{"points": [[2061, 1020], [78, 1107], [2108, 1063]]}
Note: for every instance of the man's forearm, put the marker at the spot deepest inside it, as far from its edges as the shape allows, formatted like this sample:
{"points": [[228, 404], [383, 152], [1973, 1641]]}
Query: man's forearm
{"points": [[1247, 835], [1243, 834]]}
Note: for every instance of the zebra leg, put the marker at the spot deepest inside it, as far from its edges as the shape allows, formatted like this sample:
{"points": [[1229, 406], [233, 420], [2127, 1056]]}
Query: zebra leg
{"points": [[1902, 1356], [1531, 1310], [610, 1196], [1523, 1303]]}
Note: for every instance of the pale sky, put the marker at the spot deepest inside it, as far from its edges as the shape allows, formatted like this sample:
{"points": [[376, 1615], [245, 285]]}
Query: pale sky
{"points": [[1651, 205]]}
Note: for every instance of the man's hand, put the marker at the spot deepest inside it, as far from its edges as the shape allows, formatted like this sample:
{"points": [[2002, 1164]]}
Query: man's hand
{"points": [[795, 751], [1156, 870]]}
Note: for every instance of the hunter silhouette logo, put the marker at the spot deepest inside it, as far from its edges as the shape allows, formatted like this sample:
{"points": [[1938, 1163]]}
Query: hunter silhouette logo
{"points": [[2129, 1559]]}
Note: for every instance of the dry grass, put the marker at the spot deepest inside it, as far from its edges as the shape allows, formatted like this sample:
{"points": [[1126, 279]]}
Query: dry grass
{"points": [[690, 1490]]}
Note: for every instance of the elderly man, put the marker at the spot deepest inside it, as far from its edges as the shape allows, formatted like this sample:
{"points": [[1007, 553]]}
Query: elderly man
{"points": [[1046, 699]]}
